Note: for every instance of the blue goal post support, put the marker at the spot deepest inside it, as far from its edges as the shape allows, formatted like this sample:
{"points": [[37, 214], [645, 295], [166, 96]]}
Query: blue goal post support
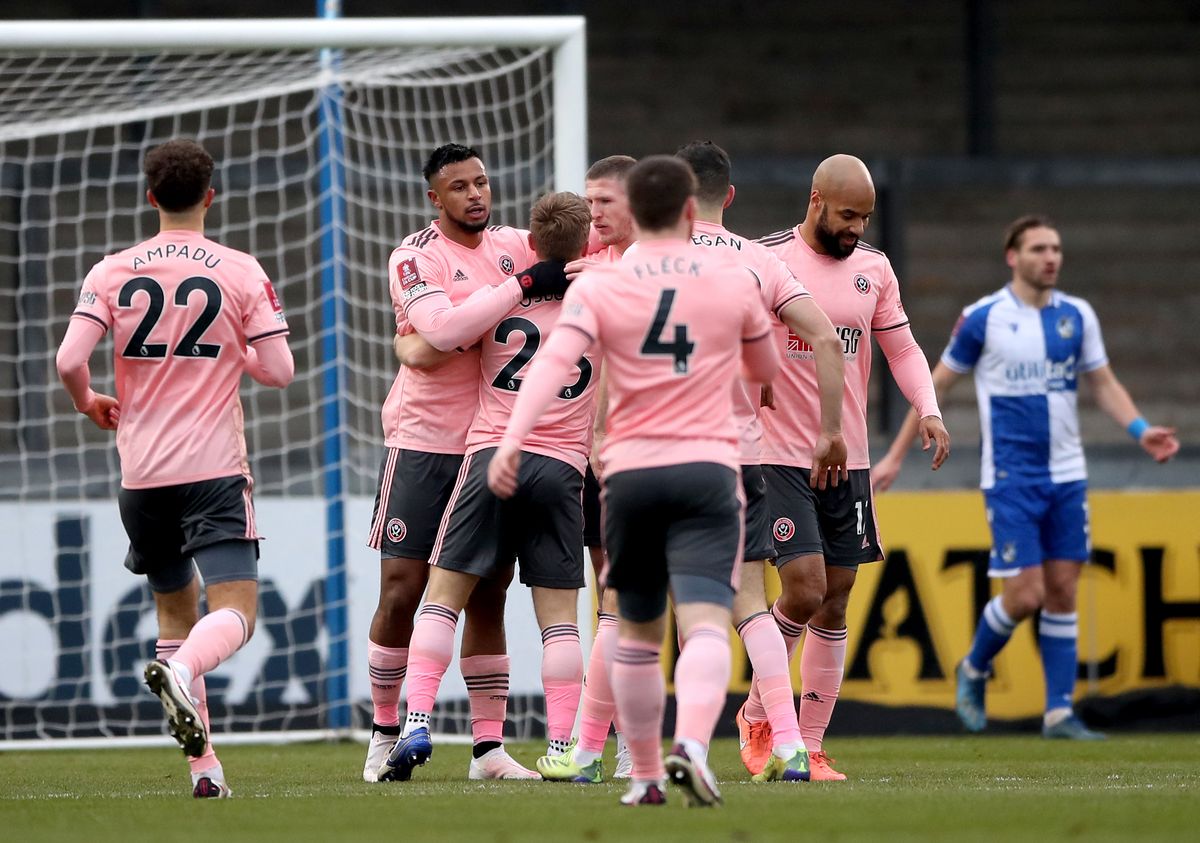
{"points": [[332, 215]]}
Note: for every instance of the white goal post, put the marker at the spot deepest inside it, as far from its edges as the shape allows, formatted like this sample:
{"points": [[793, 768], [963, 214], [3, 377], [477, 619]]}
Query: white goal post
{"points": [[319, 128]]}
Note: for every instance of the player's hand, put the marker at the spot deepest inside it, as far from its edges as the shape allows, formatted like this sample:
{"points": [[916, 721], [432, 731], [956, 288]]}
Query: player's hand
{"points": [[576, 267], [502, 471], [1159, 442], [104, 411], [766, 397], [545, 279], [933, 432], [594, 456], [884, 473], [829, 461]]}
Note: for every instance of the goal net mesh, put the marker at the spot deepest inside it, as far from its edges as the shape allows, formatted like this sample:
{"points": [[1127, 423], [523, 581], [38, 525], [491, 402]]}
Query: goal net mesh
{"points": [[74, 126]]}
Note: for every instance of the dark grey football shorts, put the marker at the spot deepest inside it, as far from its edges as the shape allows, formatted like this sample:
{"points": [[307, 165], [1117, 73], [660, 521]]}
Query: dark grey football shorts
{"points": [[414, 488], [836, 522], [211, 521]]}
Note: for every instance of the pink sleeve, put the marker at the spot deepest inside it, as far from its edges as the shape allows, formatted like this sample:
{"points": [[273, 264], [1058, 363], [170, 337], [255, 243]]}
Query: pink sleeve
{"points": [[889, 312], [760, 359], [551, 368], [446, 326], [783, 286], [270, 362], [910, 369], [72, 360], [263, 316]]}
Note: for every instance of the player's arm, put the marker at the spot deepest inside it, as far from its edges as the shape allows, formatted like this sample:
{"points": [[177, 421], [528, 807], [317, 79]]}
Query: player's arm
{"points": [[760, 358], [600, 420], [551, 368], [884, 472], [446, 326], [270, 362], [415, 352], [72, 363], [806, 319], [1112, 397]]}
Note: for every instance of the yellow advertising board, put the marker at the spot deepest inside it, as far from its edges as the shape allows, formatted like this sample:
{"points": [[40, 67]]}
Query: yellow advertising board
{"points": [[912, 617]]}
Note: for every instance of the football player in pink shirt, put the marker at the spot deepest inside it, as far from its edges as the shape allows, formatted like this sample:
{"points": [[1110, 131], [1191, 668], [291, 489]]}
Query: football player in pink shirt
{"points": [[821, 536], [188, 316], [784, 296], [676, 326], [482, 536], [425, 419]]}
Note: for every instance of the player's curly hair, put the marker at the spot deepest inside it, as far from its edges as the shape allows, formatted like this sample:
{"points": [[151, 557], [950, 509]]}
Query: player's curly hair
{"points": [[1016, 230], [449, 153], [559, 223], [658, 187], [178, 173]]}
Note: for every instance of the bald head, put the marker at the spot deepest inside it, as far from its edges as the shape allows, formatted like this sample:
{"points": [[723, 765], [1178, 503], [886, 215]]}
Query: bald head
{"points": [[840, 206], [844, 176]]}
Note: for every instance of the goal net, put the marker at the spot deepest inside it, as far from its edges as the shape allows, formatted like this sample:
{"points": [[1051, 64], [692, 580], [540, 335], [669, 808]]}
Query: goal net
{"points": [[319, 130]]}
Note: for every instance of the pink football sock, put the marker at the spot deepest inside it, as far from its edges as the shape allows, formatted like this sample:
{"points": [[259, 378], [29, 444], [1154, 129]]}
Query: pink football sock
{"points": [[214, 638], [562, 678], [487, 690], [429, 653], [769, 657], [701, 679], [164, 649], [386, 667], [640, 692], [821, 667], [792, 632], [598, 704]]}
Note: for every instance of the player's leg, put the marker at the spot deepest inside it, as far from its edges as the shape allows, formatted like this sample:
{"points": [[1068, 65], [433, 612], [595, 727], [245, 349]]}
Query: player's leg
{"points": [[606, 633], [597, 706], [776, 741], [851, 538], [401, 584], [822, 664], [410, 500], [547, 519], [765, 647], [1065, 536], [562, 662], [796, 536], [635, 523], [705, 543], [1016, 559]]}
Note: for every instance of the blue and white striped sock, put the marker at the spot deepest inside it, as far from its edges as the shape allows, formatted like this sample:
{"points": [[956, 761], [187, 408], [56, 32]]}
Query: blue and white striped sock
{"points": [[1058, 636], [994, 630]]}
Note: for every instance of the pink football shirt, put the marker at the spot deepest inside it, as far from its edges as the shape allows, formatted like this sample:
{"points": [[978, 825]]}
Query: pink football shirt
{"points": [[432, 410], [670, 320], [564, 431], [860, 295], [182, 310], [778, 288]]}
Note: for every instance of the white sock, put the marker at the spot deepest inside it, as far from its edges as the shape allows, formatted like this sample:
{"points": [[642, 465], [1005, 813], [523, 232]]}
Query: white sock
{"points": [[215, 773], [415, 720], [1055, 716]]}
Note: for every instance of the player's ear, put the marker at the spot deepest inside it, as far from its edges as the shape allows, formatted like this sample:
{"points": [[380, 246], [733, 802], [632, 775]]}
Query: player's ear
{"points": [[433, 198], [1010, 257], [532, 242], [208, 197], [729, 196], [150, 198]]}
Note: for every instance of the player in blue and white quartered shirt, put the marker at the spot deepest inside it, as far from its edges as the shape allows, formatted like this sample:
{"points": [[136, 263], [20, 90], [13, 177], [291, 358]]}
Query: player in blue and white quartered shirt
{"points": [[1028, 345]]}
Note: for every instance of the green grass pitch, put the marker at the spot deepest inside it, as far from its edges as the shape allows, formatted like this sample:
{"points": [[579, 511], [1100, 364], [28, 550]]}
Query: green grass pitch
{"points": [[1140, 787]]}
